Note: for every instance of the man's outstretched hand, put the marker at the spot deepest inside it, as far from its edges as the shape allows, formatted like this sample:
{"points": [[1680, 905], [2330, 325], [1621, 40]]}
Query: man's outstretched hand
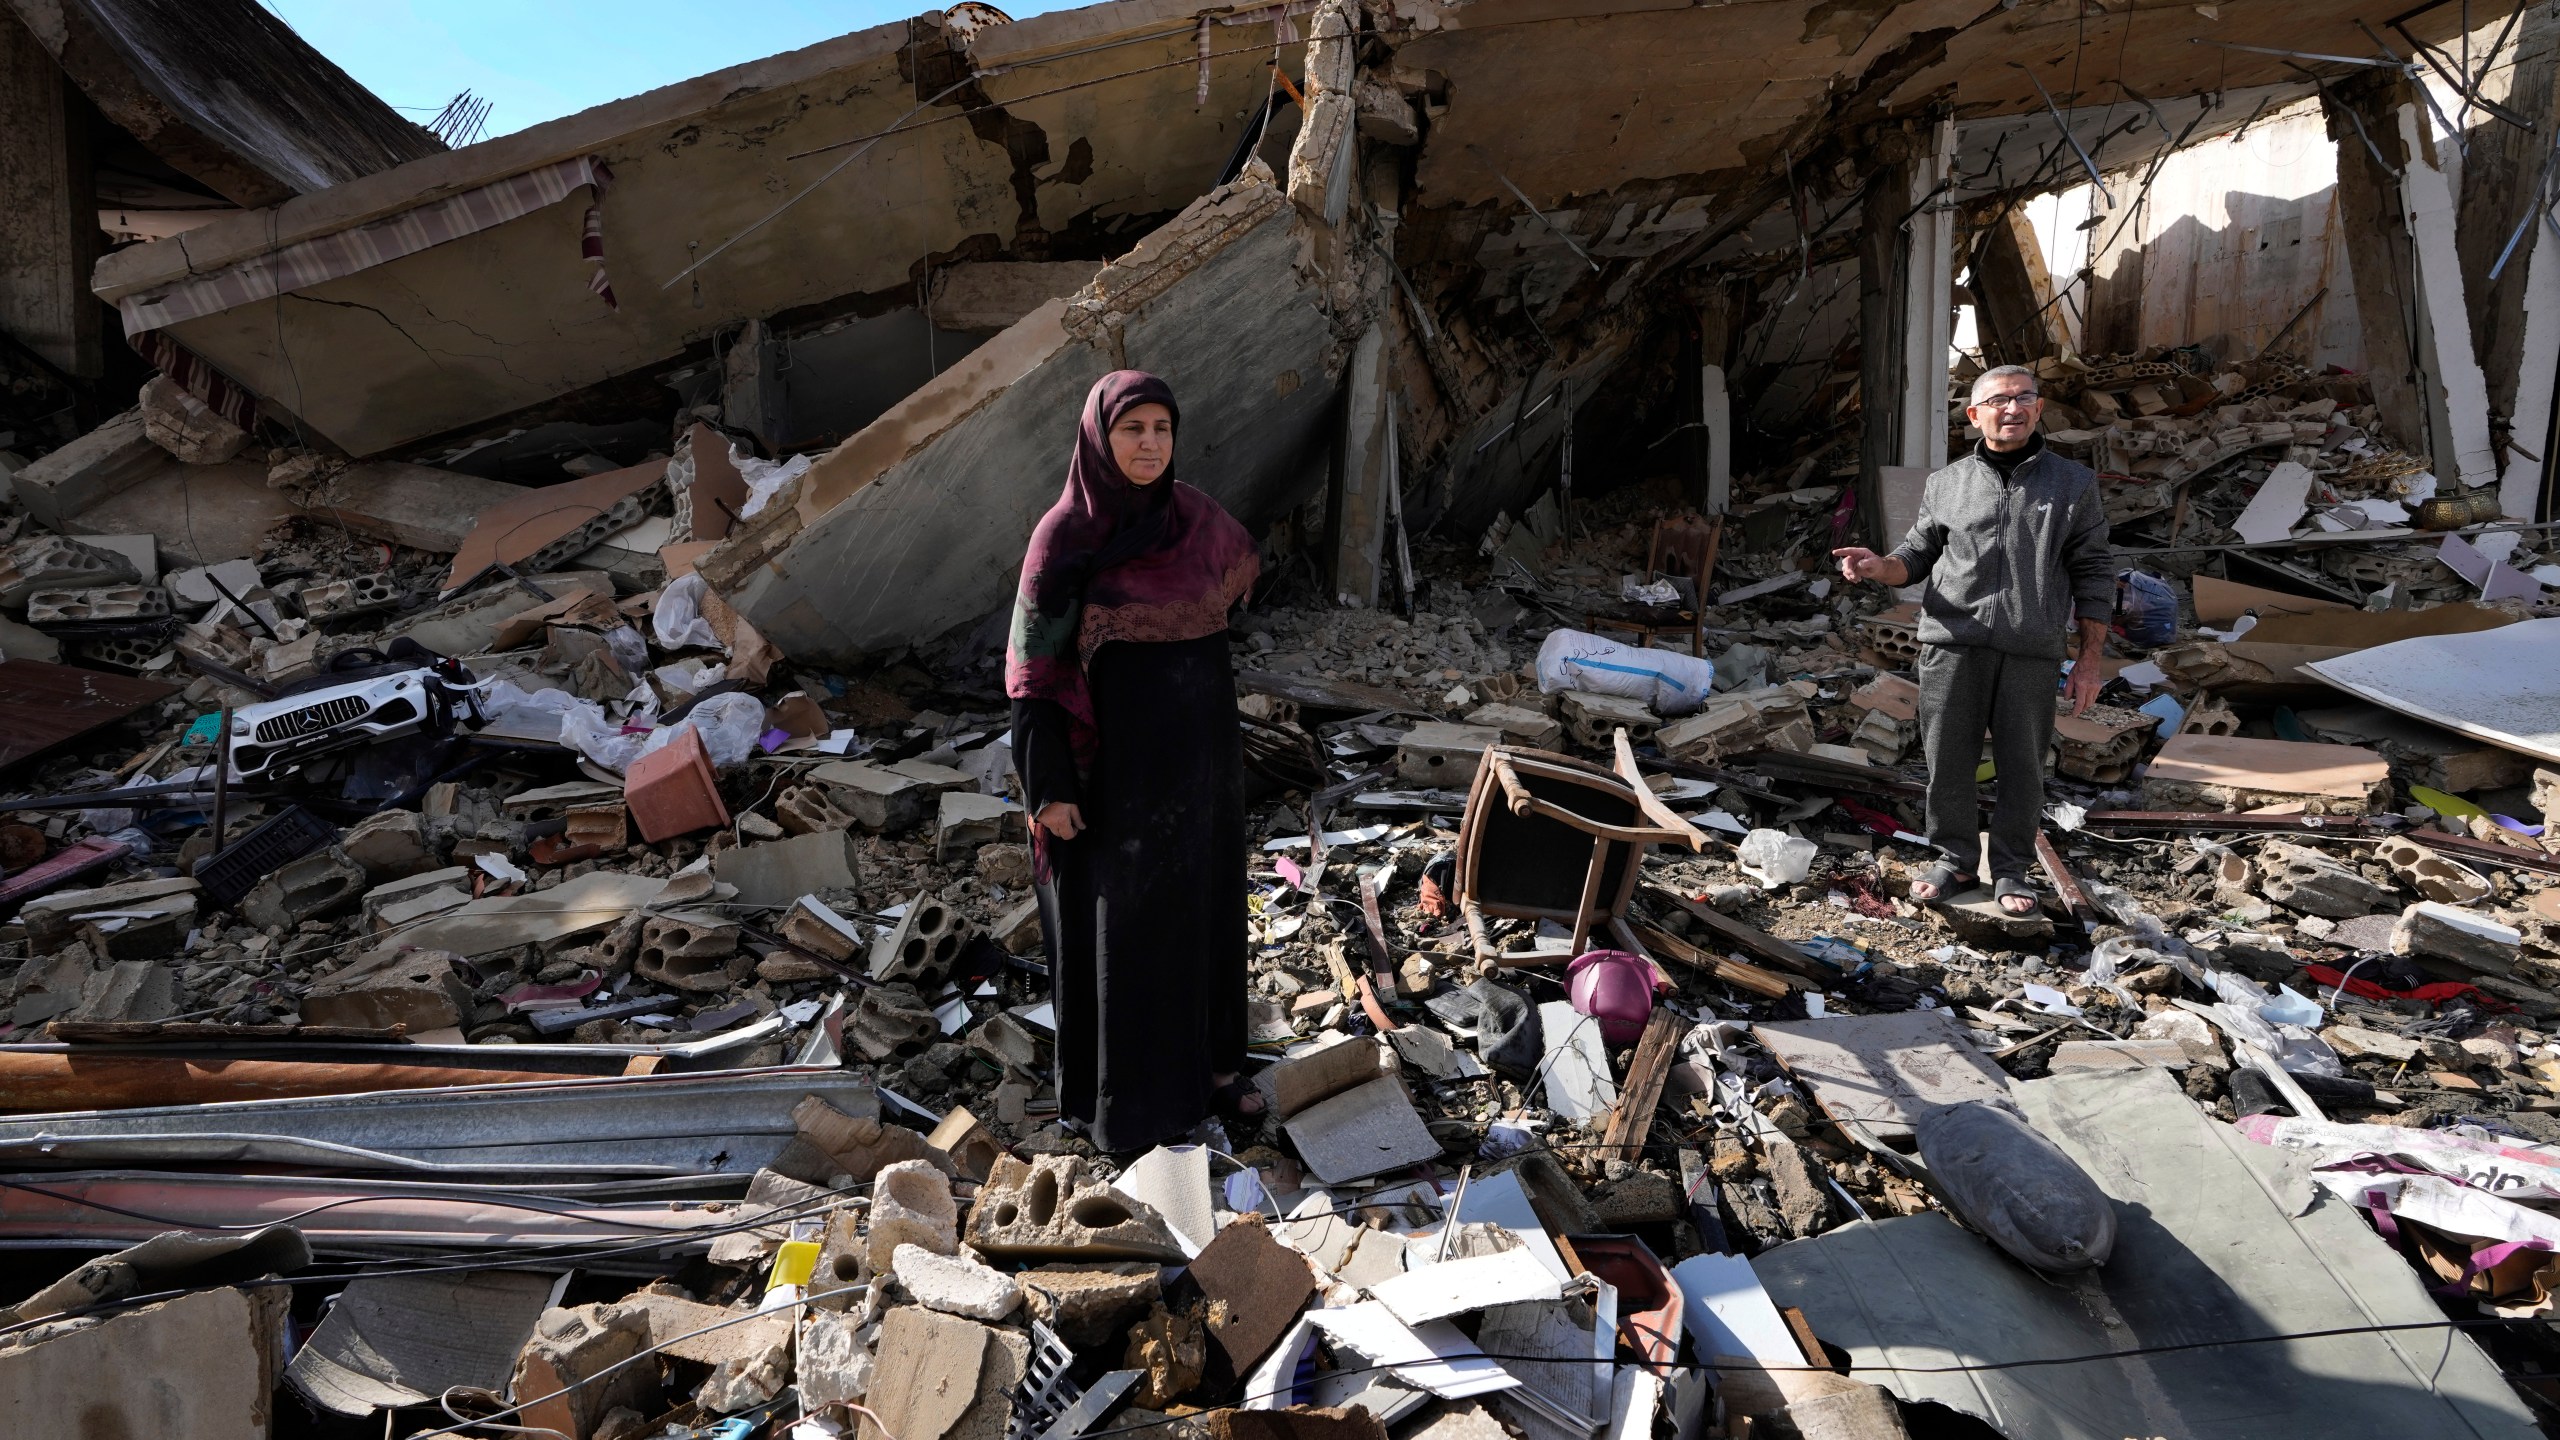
{"points": [[1860, 563]]}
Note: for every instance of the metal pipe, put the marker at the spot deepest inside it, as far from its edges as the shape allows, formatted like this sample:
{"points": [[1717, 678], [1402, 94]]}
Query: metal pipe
{"points": [[2065, 122], [77, 1081]]}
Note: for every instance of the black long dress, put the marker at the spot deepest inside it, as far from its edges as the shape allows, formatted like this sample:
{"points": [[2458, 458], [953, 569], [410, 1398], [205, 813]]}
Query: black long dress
{"points": [[1145, 917]]}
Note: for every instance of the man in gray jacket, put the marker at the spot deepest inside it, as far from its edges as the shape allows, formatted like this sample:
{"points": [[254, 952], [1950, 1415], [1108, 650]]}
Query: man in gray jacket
{"points": [[2012, 541]]}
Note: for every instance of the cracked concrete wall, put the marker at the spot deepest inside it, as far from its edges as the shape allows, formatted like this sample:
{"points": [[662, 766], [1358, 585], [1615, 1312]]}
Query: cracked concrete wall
{"points": [[487, 325], [918, 523]]}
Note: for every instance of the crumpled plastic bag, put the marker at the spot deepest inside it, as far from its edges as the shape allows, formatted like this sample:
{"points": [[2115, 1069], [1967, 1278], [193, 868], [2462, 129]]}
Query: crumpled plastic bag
{"points": [[587, 730], [730, 724], [765, 478], [1775, 858], [677, 621]]}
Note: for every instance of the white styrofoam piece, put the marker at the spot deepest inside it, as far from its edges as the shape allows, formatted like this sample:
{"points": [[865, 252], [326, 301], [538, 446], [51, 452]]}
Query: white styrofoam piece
{"points": [[1576, 1068], [2501, 685], [1435, 1355], [1454, 1287], [1728, 1314]]}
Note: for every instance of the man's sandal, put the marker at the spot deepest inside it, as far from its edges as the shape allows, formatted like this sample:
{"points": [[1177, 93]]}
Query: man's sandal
{"points": [[2008, 888], [1943, 879]]}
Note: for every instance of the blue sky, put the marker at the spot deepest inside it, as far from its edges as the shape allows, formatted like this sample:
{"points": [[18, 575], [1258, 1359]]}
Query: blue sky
{"points": [[537, 60]]}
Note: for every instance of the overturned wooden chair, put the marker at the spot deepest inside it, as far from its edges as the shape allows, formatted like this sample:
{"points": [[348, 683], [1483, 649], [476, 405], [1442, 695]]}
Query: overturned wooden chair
{"points": [[1549, 837]]}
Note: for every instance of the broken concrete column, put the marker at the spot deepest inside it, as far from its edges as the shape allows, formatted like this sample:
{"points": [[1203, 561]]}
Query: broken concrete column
{"points": [[315, 887], [576, 1347], [1049, 1207], [911, 1204], [954, 1284]]}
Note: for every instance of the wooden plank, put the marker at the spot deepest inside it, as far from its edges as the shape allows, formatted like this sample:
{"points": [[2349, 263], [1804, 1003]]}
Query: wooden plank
{"points": [[2065, 884], [1741, 976], [1632, 1121], [1748, 939], [1806, 1340]]}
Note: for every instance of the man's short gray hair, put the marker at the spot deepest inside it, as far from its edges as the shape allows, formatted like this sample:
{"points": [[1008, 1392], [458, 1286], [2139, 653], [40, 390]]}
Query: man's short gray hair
{"points": [[1982, 383]]}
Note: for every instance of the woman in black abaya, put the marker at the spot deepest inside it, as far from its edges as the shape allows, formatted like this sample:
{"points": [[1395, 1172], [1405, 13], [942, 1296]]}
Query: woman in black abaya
{"points": [[1126, 739]]}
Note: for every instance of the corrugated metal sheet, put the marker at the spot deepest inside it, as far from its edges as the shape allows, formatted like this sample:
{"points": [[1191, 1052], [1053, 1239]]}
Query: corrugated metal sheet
{"points": [[331, 1214], [725, 1124]]}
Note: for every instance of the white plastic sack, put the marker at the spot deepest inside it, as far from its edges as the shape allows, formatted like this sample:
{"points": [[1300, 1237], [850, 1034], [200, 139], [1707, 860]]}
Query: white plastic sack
{"points": [[731, 725], [765, 478], [1667, 682], [586, 730], [1775, 858], [677, 621]]}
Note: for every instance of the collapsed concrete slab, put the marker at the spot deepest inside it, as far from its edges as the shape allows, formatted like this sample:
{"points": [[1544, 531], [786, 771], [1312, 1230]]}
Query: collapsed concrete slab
{"points": [[484, 319], [916, 524]]}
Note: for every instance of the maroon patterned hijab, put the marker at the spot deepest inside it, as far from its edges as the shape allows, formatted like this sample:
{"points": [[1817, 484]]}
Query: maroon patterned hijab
{"points": [[1114, 560]]}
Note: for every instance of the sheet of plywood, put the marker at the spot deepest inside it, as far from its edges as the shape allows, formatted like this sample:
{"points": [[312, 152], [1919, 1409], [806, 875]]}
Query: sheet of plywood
{"points": [[1884, 1071], [2502, 686], [2361, 629], [2291, 767], [2219, 602], [44, 704]]}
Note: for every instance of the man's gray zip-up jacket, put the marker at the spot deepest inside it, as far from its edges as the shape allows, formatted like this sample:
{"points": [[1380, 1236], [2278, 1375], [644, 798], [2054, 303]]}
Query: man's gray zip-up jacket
{"points": [[2011, 563]]}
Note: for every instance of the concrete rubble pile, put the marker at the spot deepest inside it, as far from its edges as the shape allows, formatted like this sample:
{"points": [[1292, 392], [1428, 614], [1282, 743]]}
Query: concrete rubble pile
{"points": [[517, 911]]}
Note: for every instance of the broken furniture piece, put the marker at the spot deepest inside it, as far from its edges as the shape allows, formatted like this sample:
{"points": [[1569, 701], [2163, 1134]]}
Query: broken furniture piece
{"points": [[1549, 837]]}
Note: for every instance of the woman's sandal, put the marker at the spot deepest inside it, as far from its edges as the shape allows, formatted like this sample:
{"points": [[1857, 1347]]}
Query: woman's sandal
{"points": [[1944, 878], [2009, 887], [1228, 1101]]}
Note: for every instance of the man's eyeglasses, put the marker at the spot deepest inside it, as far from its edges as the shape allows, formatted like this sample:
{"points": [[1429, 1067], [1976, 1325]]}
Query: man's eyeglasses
{"points": [[2009, 402]]}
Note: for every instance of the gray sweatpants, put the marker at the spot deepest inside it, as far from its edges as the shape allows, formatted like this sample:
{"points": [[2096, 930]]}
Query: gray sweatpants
{"points": [[1965, 689]]}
